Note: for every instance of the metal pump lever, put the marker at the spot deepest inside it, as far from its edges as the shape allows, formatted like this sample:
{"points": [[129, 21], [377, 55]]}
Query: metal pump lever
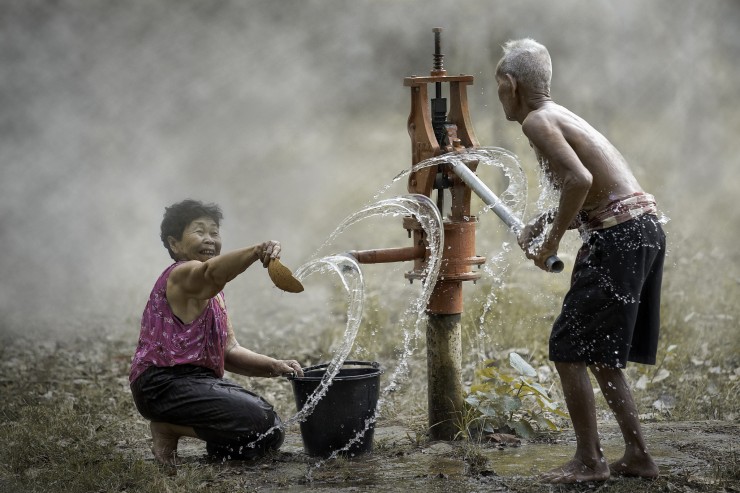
{"points": [[553, 264]]}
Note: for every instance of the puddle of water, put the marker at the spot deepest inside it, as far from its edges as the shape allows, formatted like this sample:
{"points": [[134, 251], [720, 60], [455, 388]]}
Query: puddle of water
{"points": [[527, 459], [413, 473], [535, 458]]}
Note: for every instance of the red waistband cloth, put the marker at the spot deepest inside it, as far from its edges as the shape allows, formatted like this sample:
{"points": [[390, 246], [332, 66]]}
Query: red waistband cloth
{"points": [[619, 210]]}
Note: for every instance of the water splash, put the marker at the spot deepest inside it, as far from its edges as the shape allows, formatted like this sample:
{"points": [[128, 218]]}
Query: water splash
{"points": [[495, 268], [427, 214], [549, 197], [514, 197], [350, 274], [515, 194]]}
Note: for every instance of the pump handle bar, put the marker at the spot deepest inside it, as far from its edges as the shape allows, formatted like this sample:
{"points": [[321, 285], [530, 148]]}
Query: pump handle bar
{"points": [[553, 264]]}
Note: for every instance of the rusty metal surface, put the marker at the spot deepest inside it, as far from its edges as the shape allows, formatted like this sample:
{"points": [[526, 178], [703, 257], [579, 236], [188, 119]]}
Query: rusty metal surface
{"points": [[459, 258], [446, 299], [388, 255], [423, 142], [417, 81], [460, 113], [454, 133]]}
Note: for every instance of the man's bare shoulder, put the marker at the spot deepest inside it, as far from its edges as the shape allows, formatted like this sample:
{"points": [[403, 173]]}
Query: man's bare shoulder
{"points": [[548, 114], [544, 125], [535, 119], [545, 119]]}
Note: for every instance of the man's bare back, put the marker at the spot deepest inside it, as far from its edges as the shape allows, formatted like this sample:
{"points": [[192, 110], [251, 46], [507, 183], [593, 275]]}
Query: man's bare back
{"points": [[611, 175]]}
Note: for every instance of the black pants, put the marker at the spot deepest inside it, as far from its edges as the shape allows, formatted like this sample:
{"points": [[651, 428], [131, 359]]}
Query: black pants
{"points": [[231, 420], [611, 314]]}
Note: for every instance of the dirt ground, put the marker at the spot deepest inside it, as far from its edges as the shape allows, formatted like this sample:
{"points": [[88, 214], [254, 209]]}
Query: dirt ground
{"points": [[692, 456], [68, 423]]}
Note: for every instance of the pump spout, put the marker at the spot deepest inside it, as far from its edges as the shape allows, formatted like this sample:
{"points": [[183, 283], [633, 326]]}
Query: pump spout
{"points": [[553, 264], [388, 255]]}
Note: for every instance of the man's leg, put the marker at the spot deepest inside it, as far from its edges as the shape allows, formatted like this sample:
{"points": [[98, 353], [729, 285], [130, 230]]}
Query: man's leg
{"points": [[636, 460], [588, 463]]}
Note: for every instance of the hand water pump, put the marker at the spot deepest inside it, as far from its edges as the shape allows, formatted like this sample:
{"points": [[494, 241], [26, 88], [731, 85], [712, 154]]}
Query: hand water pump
{"points": [[435, 131]]}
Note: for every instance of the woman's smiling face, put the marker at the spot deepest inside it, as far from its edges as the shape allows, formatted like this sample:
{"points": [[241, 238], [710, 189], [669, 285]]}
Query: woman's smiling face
{"points": [[200, 240]]}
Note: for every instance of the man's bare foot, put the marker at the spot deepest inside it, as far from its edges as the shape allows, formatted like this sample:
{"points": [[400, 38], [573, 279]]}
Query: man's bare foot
{"points": [[576, 471], [164, 446], [635, 467]]}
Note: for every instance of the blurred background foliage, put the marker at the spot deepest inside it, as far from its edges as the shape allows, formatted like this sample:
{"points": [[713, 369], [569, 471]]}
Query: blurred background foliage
{"points": [[292, 114]]}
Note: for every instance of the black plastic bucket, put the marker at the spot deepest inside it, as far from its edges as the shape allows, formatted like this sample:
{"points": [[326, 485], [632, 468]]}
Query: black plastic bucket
{"points": [[343, 411]]}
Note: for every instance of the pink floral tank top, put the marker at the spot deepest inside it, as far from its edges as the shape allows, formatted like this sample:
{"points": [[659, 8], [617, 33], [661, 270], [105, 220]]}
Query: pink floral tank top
{"points": [[166, 341]]}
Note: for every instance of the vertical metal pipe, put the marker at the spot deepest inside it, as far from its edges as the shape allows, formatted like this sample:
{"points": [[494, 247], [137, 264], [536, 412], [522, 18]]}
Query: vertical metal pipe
{"points": [[444, 375], [438, 66]]}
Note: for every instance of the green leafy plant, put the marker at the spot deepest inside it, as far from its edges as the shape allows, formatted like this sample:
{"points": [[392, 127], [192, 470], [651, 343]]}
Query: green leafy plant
{"points": [[507, 401]]}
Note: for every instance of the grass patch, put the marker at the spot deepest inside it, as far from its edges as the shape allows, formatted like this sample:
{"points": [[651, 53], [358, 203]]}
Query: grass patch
{"points": [[64, 423], [68, 423], [697, 376]]}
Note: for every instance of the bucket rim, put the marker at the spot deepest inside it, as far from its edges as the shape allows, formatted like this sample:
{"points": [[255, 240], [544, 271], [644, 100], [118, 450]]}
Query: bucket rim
{"points": [[373, 364]]}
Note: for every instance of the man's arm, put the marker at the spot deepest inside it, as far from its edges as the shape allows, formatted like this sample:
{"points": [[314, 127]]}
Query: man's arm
{"points": [[533, 230], [571, 176]]}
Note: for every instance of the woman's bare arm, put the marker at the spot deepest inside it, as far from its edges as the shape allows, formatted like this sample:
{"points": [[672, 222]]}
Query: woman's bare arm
{"points": [[203, 280], [246, 362], [191, 284]]}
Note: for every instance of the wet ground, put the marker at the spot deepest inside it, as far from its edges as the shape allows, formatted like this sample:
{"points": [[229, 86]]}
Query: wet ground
{"points": [[692, 456]]}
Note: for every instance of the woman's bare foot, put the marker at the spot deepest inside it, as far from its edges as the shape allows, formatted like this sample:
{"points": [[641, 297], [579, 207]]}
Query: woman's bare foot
{"points": [[164, 446], [576, 471], [635, 467]]}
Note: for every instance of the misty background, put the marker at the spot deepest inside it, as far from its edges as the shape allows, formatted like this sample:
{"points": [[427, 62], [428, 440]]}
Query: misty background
{"points": [[292, 114]]}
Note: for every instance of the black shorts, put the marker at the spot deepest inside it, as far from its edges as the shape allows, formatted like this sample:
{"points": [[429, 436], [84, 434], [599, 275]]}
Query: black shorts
{"points": [[232, 420], [611, 314]]}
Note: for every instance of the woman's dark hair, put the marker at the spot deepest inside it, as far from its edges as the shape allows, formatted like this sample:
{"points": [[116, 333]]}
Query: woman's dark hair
{"points": [[179, 215]]}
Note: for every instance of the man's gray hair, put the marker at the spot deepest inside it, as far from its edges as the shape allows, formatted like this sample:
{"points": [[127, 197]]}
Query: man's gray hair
{"points": [[528, 62]]}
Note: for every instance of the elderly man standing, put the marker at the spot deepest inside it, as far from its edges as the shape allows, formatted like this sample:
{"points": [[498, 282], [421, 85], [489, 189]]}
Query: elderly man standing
{"points": [[611, 313]]}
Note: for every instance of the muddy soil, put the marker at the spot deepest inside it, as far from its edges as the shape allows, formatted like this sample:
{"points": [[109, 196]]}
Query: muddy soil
{"points": [[692, 456], [67, 423]]}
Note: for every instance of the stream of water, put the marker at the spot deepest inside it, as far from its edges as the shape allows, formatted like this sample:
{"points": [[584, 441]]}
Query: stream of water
{"points": [[514, 196], [425, 211], [348, 270], [427, 214], [429, 217]]}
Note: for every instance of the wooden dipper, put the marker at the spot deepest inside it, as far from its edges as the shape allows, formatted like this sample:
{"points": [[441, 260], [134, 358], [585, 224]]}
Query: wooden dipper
{"points": [[283, 278]]}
